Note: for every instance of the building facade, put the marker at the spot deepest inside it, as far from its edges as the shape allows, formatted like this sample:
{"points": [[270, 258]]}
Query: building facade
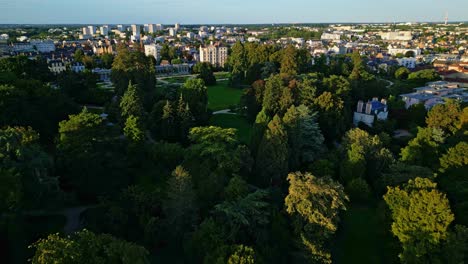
{"points": [[214, 54], [373, 110], [154, 51]]}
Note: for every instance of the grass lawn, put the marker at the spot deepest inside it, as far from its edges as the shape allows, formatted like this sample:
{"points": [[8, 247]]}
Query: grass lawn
{"points": [[361, 238], [233, 121], [222, 75], [177, 79], [221, 96]]}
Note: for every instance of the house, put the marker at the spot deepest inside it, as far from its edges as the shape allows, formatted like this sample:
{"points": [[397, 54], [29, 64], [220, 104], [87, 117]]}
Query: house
{"points": [[77, 67], [56, 66], [374, 109], [104, 74]]}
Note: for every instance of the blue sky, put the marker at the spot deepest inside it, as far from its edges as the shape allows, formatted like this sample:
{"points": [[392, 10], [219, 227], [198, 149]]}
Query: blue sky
{"points": [[228, 11]]}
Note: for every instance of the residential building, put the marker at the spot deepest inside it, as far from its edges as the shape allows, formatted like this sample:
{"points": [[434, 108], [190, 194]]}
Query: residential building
{"points": [[56, 66], [159, 27], [135, 32], [77, 67], [396, 50], [398, 35], [214, 54], [43, 46], [92, 30], [154, 51], [22, 47], [409, 63], [177, 26], [172, 32], [104, 30], [190, 35], [330, 36], [152, 28], [374, 110], [120, 28], [435, 93], [104, 74]]}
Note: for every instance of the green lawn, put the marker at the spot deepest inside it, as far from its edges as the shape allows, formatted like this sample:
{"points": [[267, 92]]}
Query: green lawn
{"points": [[361, 238], [221, 96], [233, 121]]}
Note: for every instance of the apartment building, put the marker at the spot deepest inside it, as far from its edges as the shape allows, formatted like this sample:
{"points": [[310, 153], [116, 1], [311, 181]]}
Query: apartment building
{"points": [[214, 54], [154, 51]]}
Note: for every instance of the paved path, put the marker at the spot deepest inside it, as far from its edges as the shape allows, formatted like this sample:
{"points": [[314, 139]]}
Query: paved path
{"points": [[224, 111]]}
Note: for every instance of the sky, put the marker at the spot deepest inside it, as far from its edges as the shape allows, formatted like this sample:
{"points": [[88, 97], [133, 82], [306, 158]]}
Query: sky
{"points": [[228, 11]]}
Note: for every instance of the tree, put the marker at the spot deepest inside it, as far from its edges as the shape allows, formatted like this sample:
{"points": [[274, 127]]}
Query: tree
{"points": [[213, 158], [242, 255], [330, 115], [133, 129], [195, 94], [447, 116], [238, 63], [359, 71], [273, 91], [78, 55], [205, 72], [424, 75], [272, 157], [244, 216], [25, 171], [289, 66], [261, 123], [314, 205], [421, 218], [87, 247], [365, 156], [304, 137], [428, 140], [131, 103], [409, 54], [402, 73], [180, 208], [89, 158]]}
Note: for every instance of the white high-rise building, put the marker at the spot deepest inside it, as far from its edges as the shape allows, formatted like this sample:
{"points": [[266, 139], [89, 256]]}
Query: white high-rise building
{"points": [[120, 28], [104, 30], [152, 28], [172, 32], [214, 54], [86, 31], [146, 28], [92, 30], [177, 26], [136, 32], [159, 27], [153, 50]]}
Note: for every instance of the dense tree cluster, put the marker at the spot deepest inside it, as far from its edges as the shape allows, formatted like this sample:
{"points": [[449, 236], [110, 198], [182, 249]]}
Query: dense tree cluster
{"points": [[152, 180]]}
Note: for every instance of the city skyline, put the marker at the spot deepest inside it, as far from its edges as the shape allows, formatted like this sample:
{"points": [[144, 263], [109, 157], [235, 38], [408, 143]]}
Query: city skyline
{"points": [[228, 12]]}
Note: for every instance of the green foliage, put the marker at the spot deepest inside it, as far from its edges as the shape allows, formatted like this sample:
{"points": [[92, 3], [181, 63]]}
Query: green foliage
{"points": [[428, 140], [195, 94], [358, 190], [359, 71], [133, 129], [87, 247], [205, 72], [399, 173], [421, 217], [424, 75], [25, 171], [242, 255], [273, 91], [213, 158], [236, 188], [180, 208], [245, 215], [365, 156], [402, 73], [304, 137], [330, 110], [448, 116], [314, 205], [131, 103], [271, 164]]}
